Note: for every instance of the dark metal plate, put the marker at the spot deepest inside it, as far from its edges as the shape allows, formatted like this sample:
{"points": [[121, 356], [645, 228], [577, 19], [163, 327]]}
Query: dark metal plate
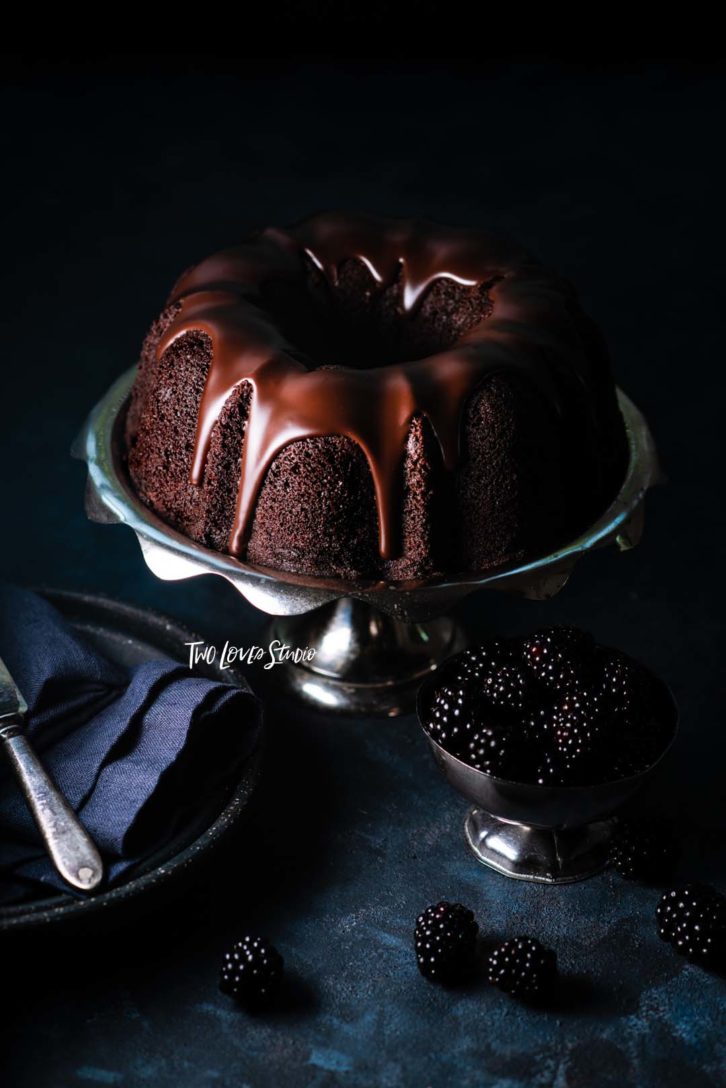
{"points": [[129, 635]]}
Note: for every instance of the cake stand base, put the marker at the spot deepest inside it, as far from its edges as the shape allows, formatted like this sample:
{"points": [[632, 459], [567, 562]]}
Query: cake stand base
{"points": [[543, 856], [365, 662]]}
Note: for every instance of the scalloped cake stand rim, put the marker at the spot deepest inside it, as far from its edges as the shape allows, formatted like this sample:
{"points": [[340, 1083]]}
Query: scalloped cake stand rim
{"points": [[171, 556]]}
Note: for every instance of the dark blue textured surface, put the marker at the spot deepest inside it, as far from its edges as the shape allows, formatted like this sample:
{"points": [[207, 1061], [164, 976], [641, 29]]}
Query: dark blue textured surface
{"points": [[617, 178]]}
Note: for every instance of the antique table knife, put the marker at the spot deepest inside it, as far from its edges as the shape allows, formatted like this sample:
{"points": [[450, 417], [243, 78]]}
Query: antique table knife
{"points": [[71, 849]]}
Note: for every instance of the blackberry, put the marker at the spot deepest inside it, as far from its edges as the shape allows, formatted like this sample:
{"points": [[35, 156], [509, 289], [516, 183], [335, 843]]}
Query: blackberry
{"points": [[491, 750], [643, 850], [623, 688], [558, 657], [445, 940], [522, 967], [450, 723], [570, 640], [251, 972], [550, 770], [631, 755], [507, 688], [575, 729], [534, 726], [471, 667], [692, 918]]}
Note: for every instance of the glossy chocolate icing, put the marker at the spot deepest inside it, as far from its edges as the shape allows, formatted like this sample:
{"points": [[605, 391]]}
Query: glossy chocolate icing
{"points": [[527, 323]]}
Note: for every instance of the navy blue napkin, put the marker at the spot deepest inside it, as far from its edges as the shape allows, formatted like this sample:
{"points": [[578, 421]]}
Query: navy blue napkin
{"points": [[138, 754]]}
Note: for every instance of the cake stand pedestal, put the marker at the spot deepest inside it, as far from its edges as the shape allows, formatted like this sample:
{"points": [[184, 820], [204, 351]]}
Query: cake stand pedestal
{"points": [[374, 642], [365, 660]]}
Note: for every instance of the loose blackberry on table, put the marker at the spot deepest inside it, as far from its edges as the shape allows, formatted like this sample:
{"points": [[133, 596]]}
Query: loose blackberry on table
{"points": [[445, 940], [251, 972], [692, 918], [522, 967]]}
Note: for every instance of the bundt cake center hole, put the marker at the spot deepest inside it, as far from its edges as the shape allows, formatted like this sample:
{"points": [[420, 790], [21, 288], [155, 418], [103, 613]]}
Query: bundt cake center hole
{"points": [[359, 324]]}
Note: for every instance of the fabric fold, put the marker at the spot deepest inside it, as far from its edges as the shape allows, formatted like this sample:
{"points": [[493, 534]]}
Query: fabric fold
{"points": [[138, 753]]}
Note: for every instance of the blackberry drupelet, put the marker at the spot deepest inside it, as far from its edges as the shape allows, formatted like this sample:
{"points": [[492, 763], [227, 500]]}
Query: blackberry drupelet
{"points": [[692, 918], [445, 940], [251, 972], [643, 850], [522, 967]]}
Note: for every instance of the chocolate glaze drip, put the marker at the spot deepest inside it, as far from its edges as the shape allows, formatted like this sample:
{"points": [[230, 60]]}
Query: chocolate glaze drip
{"points": [[374, 407]]}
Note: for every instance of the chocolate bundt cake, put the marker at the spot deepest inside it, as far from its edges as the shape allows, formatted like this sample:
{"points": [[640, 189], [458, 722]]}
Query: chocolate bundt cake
{"points": [[367, 398]]}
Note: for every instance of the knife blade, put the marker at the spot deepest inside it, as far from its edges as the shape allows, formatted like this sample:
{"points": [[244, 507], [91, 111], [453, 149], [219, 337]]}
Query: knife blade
{"points": [[11, 701]]}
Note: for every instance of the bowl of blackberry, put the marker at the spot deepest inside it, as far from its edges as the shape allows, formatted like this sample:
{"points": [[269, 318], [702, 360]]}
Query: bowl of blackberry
{"points": [[548, 735]]}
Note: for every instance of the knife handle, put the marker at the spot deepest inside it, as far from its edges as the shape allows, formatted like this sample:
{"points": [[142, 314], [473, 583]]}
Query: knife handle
{"points": [[71, 848]]}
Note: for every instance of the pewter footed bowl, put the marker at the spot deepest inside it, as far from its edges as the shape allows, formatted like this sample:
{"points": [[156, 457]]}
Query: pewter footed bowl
{"points": [[375, 642], [547, 834]]}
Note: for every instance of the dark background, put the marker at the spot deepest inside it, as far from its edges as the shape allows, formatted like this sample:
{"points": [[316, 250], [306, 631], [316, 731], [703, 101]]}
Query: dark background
{"points": [[121, 171]]}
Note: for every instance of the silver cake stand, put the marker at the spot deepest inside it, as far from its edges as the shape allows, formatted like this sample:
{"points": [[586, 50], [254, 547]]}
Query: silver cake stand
{"points": [[374, 642]]}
